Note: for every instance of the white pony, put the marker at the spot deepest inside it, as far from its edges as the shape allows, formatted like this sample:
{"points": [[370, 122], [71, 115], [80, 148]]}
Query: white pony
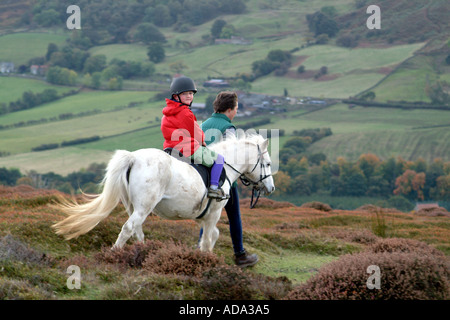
{"points": [[150, 180]]}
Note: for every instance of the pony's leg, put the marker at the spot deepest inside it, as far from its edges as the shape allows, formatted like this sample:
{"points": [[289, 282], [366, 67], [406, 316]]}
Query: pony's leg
{"points": [[210, 231], [138, 233], [132, 226]]}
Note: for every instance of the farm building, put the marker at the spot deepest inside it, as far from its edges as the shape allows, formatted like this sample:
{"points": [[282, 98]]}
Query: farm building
{"points": [[234, 40], [6, 67], [38, 70], [216, 83]]}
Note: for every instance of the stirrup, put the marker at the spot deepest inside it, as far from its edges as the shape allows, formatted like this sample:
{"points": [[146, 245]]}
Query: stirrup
{"points": [[225, 197], [217, 194]]}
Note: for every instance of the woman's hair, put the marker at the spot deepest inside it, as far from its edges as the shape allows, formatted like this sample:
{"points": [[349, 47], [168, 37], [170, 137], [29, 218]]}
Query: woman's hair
{"points": [[225, 100]]}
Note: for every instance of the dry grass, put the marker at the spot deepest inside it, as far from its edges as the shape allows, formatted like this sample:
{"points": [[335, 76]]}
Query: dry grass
{"points": [[34, 260]]}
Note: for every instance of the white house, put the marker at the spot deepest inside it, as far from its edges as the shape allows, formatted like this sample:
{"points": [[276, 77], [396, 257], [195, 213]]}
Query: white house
{"points": [[6, 67]]}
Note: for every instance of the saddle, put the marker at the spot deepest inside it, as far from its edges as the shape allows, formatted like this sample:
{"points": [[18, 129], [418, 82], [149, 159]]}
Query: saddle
{"points": [[204, 171]]}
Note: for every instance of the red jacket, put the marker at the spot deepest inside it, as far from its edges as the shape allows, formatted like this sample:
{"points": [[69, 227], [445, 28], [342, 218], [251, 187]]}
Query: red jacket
{"points": [[180, 128]]}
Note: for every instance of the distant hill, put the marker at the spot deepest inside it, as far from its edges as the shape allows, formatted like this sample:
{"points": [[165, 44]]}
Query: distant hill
{"points": [[402, 21], [403, 61], [13, 11]]}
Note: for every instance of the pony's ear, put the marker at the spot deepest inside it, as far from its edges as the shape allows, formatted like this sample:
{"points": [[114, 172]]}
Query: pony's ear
{"points": [[265, 144]]}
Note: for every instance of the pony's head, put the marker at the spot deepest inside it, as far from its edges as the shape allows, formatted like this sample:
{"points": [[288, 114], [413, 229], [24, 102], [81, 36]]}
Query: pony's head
{"points": [[250, 154], [260, 173]]}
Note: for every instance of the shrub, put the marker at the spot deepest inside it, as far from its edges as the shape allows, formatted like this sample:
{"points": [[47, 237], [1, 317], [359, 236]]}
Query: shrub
{"points": [[358, 236], [179, 259], [226, 283], [397, 245], [433, 212], [405, 274], [162, 258], [317, 205], [132, 255], [13, 249], [266, 203], [11, 289]]}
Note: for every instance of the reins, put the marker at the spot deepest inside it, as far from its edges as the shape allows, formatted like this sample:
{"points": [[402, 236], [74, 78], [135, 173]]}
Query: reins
{"points": [[256, 190]]}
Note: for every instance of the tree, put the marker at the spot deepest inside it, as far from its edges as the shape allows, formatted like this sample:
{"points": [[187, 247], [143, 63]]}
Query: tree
{"points": [[263, 67], [228, 31], [315, 179], [322, 39], [156, 53], [437, 94], [95, 63], [279, 55], [390, 170], [96, 80], [410, 184], [9, 177], [433, 172], [348, 41], [298, 144], [300, 185], [282, 181], [51, 48], [330, 11], [320, 23], [368, 163], [301, 69], [322, 71], [64, 76], [217, 27], [442, 189], [29, 99], [354, 182], [368, 96], [115, 83], [47, 18], [148, 33], [159, 15]]}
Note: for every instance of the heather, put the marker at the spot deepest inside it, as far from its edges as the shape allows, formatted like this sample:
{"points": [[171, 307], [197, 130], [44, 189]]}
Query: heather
{"points": [[307, 252], [410, 270]]}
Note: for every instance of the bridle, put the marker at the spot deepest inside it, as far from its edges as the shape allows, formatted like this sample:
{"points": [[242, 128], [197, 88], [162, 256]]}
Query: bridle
{"points": [[256, 190]]}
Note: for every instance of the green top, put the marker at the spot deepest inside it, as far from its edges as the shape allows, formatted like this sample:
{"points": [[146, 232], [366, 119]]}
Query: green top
{"points": [[218, 121], [216, 125]]}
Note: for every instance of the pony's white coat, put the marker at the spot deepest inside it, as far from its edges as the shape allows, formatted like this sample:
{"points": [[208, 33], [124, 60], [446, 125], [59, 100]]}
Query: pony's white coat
{"points": [[168, 187]]}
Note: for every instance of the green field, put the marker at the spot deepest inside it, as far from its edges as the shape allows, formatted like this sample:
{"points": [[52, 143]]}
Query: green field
{"points": [[129, 119], [21, 47], [12, 88], [358, 130], [85, 101], [127, 52], [341, 88]]}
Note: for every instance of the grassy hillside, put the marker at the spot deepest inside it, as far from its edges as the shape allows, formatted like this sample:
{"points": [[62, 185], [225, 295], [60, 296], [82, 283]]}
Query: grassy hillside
{"points": [[393, 68], [13, 88], [21, 47], [293, 244], [385, 132]]}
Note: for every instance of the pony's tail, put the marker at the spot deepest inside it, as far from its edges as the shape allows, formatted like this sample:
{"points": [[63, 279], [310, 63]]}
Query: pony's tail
{"points": [[84, 217]]}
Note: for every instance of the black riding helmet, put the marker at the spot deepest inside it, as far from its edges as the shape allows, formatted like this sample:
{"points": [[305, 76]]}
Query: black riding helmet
{"points": [[182, 84]]}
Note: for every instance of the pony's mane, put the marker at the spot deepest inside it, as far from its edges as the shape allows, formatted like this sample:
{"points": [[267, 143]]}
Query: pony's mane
{"points": [[251, 137]]}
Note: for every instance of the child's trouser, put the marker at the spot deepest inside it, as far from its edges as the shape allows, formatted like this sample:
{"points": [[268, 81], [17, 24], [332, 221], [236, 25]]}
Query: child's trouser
{"points": [[212, 159]]}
